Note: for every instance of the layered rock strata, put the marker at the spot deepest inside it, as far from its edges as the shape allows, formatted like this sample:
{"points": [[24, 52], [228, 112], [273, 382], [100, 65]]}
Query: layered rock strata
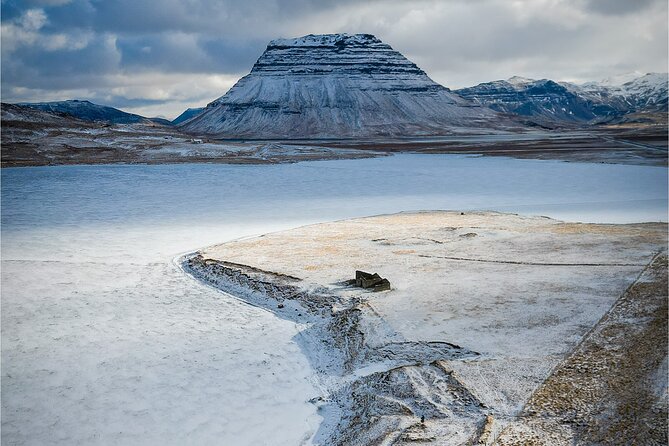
{"points": [[337, 85]]}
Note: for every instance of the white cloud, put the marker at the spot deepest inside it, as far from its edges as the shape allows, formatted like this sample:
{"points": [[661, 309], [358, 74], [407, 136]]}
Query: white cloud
{"points": [[22, 31], [168, 111], [26, 31], [71, 42], [32, 20]]}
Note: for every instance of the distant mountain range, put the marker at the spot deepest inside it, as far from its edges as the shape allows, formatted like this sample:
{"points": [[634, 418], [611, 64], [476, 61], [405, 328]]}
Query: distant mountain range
{"points": [[549, 103], [647, 93], [89, 111]]}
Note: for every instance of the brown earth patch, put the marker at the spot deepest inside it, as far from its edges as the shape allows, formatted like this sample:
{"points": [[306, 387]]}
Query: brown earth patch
{"points": [[613, 388]]}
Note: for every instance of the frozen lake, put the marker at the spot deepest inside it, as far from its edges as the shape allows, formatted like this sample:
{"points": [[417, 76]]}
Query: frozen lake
{"points": [[105, 341]]}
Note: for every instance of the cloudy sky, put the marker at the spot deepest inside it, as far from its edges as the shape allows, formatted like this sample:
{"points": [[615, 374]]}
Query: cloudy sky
{"points": [[160, 57]]}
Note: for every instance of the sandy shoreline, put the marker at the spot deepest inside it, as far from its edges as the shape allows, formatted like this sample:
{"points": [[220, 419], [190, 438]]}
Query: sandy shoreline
{"points": [[462, 340]]}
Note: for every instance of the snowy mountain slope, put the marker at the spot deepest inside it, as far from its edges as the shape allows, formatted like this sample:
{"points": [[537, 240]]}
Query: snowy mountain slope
{"points": [[89, 111], [187, 114], [337, 85], [14, 113], [541, 100], [617, 79], [646, 92], [550, 102]]}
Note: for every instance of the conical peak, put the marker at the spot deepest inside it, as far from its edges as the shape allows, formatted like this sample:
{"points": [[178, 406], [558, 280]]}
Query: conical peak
{"points": [[335, 85], [337, 54]]}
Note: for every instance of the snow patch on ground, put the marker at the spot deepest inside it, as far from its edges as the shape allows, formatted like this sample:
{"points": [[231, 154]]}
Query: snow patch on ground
{"points": [[490, 302]]}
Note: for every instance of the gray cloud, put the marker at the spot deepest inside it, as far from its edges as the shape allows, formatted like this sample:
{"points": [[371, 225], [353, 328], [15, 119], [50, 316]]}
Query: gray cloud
{"points": [[620, 7], [171, 53], [188, 53]]}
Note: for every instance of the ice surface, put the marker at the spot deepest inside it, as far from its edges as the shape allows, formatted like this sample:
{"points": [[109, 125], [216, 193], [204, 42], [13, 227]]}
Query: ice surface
{"points": [[106, 341]]}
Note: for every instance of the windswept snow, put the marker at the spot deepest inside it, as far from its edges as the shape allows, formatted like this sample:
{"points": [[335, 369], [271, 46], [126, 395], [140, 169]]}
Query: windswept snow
{"points": [[482, 307], [36, 137]]}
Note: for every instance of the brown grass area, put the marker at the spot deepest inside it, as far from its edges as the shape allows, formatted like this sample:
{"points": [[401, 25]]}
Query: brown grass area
{"points": [[610, 390]]}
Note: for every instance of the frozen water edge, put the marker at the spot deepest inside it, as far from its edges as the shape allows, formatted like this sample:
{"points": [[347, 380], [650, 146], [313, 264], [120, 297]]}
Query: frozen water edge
{"points": [[326, 360], [88, 279], [335, 336], [156, 359]]}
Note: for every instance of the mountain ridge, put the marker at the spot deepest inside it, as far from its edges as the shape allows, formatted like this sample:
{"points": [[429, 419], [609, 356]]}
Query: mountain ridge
{"points": [[550, 102], [89, 111]]}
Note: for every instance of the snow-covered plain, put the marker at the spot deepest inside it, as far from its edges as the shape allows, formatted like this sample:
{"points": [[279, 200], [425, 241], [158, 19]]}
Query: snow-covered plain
{"points": [[519, 291], [106, 341]]}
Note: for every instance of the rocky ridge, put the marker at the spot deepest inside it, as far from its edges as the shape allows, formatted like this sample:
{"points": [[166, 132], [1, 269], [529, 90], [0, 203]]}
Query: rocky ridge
{"points": [[88, 111], [647, 92]]}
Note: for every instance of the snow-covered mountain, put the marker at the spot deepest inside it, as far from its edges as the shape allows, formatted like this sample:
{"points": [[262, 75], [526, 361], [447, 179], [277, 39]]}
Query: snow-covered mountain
{"points": [[337, 85], [543, 101], [647, 92], [89, 111], [554, 103], [32, 116]]}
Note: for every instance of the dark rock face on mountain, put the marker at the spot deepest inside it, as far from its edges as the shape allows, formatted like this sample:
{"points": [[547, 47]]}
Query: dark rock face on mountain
{"points": [[88, 111], [337, 85], [187, 114], [550, 103], [541, 101]]}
